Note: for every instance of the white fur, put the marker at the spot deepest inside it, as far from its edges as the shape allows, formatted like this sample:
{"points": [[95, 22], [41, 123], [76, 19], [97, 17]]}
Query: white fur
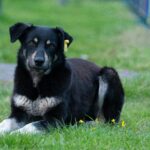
{"points": [[36, 40], [47, 60], [37, 107], [48, 42], [9, 125], [22, 101], [29, 128], [55, 57], [103, 86]]}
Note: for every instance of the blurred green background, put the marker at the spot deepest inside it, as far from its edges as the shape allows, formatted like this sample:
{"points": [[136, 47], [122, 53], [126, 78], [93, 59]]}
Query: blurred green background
{"points": [[103, 30]]}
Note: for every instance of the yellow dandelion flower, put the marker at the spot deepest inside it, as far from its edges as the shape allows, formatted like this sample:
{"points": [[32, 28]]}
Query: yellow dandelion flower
{"points": [[93, 129], [113, 121], [81, 121], [123, 124]]}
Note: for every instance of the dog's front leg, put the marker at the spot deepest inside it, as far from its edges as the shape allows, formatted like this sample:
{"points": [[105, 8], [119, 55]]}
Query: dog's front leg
{"points": [[16, 119], [34, 127], [9, 125]]}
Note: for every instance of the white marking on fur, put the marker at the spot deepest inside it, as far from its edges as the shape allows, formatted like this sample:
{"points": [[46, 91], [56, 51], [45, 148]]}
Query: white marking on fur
{"points": [[36, 76], [103, 86], [24, 52], [45, 56], [35, 40], [37, 107], [47, 61], [9, 125], [48, 42], [55, 57], [27, 64], [23, 101], [33, 55], [28, 129]]}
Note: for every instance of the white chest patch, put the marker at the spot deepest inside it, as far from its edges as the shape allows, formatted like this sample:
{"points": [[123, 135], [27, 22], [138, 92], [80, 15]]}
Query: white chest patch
{"points": [[37, 107]]}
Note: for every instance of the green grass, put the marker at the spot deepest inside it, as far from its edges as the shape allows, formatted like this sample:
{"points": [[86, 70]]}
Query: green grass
{"points": [[110, 35]]}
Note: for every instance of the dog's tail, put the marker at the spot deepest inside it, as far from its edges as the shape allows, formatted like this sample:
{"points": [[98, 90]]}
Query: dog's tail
{"points": [[111, 94]]}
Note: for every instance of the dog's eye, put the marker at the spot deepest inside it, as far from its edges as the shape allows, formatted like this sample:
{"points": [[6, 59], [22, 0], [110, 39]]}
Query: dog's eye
{"points": [[32, 43], [51, 45]]}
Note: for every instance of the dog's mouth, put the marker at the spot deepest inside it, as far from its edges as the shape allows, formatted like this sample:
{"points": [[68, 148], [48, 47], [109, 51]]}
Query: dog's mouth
{"points": [[35, 68], [39, 69]]}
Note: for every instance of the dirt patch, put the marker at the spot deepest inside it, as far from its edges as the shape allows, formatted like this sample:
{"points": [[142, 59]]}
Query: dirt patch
{"points": [[127, 74], [7, 72]]}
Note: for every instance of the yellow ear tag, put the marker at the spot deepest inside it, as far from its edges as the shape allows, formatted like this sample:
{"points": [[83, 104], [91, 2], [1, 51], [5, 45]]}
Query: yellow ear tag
{"points": [[66, 42]]}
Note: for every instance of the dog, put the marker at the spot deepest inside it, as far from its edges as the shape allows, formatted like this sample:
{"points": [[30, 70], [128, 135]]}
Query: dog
{"points": [[51, 90]]}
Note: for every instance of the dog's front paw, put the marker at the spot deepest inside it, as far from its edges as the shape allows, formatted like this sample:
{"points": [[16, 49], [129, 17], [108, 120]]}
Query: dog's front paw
{"points": [[9, 125], [3, 130], [28, 129], [4, 126]]}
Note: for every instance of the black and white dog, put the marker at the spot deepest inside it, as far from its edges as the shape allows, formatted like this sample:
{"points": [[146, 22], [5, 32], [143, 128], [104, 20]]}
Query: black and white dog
{"points": [[50, 90]]}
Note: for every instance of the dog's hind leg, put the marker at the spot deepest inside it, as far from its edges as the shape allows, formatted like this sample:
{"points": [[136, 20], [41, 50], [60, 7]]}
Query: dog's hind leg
{"points": [[111, 94]]}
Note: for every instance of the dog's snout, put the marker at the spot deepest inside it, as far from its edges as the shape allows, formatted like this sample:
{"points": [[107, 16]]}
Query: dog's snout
{"points": [[39, 59]]}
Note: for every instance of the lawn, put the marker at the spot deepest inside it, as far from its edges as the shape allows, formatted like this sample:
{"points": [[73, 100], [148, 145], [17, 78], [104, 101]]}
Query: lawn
{"points": [[108, 34]]}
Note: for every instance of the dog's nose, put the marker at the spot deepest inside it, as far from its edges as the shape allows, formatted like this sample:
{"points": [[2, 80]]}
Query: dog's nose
{"points": [[39, 61]]}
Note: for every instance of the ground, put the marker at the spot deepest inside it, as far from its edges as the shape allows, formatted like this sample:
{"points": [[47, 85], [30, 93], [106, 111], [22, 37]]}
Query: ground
{"points": [[108, 34]]}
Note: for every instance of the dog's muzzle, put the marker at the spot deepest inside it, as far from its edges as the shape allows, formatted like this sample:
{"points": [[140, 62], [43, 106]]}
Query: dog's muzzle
{"points": [[39, 62], [39, 59]]}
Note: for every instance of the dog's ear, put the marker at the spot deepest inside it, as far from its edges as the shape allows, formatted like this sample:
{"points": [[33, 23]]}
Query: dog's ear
{"points": [[17, 30], [63, 36]]}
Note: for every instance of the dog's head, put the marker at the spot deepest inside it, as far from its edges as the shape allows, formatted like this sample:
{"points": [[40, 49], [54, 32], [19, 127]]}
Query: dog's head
{"points": [[41, 47]]}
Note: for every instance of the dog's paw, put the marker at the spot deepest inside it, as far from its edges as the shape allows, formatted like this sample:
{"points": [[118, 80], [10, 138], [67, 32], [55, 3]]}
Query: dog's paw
{"points": [[4, 126], [3, 131], [28, 129], [9, 125]]}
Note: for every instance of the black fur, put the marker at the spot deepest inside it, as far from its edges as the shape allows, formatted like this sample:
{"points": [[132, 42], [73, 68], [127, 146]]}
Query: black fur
{"points": [[74, 81], [114, 97]]}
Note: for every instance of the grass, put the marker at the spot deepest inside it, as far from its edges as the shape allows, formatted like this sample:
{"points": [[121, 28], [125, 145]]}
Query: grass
{"points": [[109, 35]]}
